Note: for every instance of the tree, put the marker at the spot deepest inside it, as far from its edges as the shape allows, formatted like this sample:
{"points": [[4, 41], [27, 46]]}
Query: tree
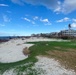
{"points": [[69, 30], [69, 26]]}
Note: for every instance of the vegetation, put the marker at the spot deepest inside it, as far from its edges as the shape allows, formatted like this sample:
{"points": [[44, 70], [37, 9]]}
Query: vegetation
{"points": [[65, 52]]}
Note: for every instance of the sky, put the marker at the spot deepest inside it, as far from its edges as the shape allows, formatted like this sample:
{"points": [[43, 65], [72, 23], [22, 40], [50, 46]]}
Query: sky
{"points": [[25, 17]]}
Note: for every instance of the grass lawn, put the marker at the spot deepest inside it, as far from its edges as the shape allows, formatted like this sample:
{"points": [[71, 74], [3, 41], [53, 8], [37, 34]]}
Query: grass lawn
{"points": [[65, 52]]}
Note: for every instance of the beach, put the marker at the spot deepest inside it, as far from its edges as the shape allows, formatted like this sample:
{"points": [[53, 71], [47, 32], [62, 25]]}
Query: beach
{"points": [[12, 51]]}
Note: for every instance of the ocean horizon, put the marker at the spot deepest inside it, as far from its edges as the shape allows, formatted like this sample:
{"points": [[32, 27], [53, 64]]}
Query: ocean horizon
{"points": [[7, 37]]}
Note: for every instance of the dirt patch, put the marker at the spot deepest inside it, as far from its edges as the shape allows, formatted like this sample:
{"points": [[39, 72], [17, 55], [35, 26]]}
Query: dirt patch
{"points": [[57, 47], [68, 59], [26, 51]]}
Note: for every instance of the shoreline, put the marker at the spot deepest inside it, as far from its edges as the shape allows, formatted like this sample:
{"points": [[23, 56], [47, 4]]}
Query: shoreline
{"points": [[1, 41]]}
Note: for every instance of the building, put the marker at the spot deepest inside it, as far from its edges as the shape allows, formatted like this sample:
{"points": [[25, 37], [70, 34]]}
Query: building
{"points": [[69, 32]]}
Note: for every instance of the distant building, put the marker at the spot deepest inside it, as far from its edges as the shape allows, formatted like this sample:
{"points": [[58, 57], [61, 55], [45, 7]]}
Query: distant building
{"points": [[69, 32], [65, 34]]}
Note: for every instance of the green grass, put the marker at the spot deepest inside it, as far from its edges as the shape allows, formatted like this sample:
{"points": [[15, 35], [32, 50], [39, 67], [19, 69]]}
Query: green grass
{"points": [[42, 48]]}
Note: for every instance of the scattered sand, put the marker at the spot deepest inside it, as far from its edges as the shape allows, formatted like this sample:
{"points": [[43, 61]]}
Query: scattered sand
{"points": [[10, 72], [44, 66], [51, 67]]}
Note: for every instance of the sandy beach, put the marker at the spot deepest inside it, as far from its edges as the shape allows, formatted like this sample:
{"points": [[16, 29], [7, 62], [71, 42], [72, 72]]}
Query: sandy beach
{"points": [[12, 51]]}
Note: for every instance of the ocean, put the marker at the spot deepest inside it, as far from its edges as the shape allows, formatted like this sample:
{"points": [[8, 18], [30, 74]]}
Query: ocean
{"points": [[4, 37], [7, 37]]}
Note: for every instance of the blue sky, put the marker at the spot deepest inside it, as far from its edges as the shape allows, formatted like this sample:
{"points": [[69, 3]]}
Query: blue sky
{"points": [[25, 17]]}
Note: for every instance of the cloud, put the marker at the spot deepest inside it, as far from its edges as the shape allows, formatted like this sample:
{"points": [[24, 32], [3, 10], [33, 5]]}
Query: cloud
{"points": [[64, 19], [74, 20], [3, 5], [26, 19], [20, 2], [73, 25], [32, 22], [58, 6], [50, 4], [6, 19], [58, 9], [68, 6], [36, 17], [45, 21]]}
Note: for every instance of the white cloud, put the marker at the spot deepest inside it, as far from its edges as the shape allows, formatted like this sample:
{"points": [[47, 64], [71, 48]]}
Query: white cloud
{"points": [[50, 4], [26, 19], [74, 19], [45, 21], [33, 22], [36, 17], [64, 19], [60, 20], [73, 25], [68, 6], [65, 6], [6, 19], [58, 9], [3, 5], [20, 2]]}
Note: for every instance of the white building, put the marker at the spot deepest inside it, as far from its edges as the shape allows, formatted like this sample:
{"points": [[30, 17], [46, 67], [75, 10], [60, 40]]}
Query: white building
{"points": [[69, 32]]}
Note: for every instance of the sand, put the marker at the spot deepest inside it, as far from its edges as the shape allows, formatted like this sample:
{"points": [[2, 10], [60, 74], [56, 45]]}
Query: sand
{"points": [[44, 66], [12, 51], [51, 67]]}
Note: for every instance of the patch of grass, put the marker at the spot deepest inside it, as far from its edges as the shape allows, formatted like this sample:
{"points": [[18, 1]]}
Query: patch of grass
{"points": [[65, 52], [66, 58]]}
